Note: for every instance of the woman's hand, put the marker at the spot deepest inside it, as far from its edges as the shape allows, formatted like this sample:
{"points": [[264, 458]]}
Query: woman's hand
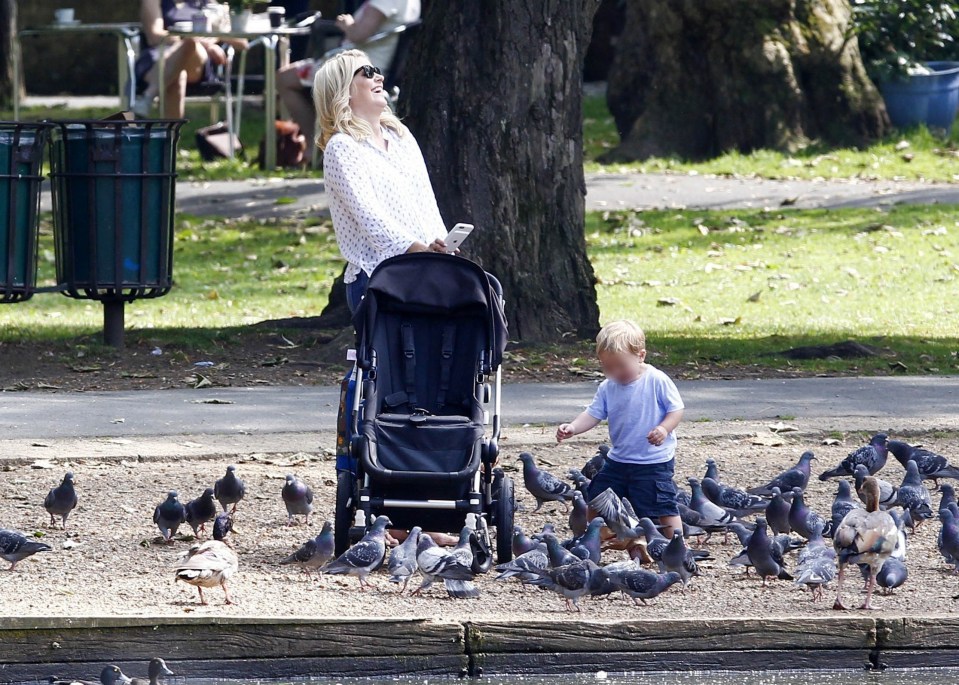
{"points": [[344, 21], [439, 245]]}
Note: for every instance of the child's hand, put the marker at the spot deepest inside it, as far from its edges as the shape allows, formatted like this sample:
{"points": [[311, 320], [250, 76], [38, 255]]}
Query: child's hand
{"points": [[563, 432], [657, 436]]}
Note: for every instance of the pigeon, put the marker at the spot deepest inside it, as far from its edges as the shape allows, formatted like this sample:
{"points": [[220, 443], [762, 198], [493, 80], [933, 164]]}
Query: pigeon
{"points": [[315, 553], [435, 562], [402, 563], [698, 524], [229, 489], [913, 495], [572, 581], [463, 552], [892, 575], [679, 558], [201, 510], [222, 526], [618, 514], [168, 515], [15, 547], [736, 502], [641, 584], [298, 498], [842, 504], [682, 497], [780, 545], [817, 563], [156, 670], [547, 528], [581, 482], [888, 493], [872, 456], [522, 566], [948, 541], [542, 485], [712, 471], [865, 536], [932, 466], [208, 564], [759, 550], [61, 500], [713, 515], [655, 541], [579, 514], [520, 543], [802, 519], [947, 495], [365, 556], [777, 513], [595, 463], [794, 477], [587, 545], [558, 555]]}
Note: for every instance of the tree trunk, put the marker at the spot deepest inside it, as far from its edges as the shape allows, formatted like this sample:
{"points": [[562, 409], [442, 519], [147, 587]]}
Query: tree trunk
{"points": [[493, 94], [696, 78], [8, 43]]}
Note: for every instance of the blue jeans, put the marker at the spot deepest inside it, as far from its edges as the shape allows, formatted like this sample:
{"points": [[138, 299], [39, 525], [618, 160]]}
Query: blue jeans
{"points": [[354, 294], [355, 291]]}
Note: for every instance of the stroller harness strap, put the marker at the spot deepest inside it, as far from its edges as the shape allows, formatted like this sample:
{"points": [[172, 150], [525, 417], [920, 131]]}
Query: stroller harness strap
{"points": [[409, 363], [446, 363]]}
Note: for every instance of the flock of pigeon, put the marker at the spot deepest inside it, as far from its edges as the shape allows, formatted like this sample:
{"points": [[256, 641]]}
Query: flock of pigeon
{"points": [[772, 521]]}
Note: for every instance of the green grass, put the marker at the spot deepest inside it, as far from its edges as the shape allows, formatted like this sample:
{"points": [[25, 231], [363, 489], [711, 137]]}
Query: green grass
{"points": [[908, 155], [736, 287]]}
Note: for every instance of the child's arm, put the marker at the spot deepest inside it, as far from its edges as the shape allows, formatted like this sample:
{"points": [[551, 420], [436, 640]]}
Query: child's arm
{"points": [[659, 434], [580, 424]]}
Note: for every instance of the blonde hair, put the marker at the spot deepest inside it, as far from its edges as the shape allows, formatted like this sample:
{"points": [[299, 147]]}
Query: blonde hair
{"points": [[621, 337], [331, 96]]}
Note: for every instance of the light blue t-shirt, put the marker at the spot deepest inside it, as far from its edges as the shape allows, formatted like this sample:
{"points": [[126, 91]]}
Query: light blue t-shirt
{"points": [[635, 409]]}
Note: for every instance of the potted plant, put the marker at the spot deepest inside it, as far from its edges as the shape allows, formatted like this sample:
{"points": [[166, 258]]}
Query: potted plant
{"points": [[240, 11], [909, 49]]}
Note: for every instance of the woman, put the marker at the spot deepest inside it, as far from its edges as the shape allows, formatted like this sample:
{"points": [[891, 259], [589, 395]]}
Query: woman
{"points": [[190, 60], [379, 191]]}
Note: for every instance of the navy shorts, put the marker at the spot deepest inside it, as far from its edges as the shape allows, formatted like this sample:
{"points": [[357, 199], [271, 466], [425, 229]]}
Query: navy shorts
{"points": [[648, 487]]}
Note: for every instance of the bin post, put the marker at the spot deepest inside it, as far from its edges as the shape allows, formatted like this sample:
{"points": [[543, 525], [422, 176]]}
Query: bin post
{"points": [[113, 323]]}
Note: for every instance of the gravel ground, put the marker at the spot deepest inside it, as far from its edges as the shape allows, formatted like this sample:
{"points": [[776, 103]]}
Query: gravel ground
{"points": [[119, 566]]}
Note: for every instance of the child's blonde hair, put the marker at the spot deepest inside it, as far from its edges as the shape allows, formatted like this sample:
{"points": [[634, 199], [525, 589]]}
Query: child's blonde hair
{"points": [[621, 337]]}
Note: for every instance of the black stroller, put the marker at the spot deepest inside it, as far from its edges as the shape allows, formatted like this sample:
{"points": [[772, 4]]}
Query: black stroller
{"points": [[430, 335]]}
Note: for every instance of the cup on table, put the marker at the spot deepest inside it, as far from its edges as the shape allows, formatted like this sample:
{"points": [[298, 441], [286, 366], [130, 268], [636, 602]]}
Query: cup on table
{"points": [[183, 26], [64, 16], [201, 22], [277, 14]]}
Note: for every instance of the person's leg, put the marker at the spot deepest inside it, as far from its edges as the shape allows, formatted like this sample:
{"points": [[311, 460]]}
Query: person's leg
{"points": [[289, 87], [184, 63], [653, 494]]}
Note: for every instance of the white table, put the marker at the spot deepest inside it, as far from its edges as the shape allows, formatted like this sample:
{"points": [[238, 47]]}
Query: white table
{"points": [[127, 36]]}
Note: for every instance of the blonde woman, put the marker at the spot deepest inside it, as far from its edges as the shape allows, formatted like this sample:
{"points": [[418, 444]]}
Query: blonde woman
{"points": [[379, 191]]}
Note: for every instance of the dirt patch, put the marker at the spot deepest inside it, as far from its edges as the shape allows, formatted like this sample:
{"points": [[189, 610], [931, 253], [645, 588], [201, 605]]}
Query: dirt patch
{"points": [[118, 567]]}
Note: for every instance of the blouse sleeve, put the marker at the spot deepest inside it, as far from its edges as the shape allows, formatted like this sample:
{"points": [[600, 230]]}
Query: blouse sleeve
{"points": [[344, 177]]}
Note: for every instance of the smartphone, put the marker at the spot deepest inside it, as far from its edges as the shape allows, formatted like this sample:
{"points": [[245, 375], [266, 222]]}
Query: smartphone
{"points": [[456, 236]]}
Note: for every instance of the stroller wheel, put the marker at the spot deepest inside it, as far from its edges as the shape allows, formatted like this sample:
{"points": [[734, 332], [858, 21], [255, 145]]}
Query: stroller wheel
{"points": [[503, 508], [344, 512]]}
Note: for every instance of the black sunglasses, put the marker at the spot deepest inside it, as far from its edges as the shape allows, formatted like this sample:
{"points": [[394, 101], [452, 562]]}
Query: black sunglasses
{"points": [[368, 71]]}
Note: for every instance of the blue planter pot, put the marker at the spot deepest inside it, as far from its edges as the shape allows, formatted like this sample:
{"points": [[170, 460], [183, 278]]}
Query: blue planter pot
{"points": [[930, 99]]}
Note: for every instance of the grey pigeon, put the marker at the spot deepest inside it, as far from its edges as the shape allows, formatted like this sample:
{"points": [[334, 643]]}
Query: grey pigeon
{"points": [[596, 462], [587, 545], [655, 541], [888, 493], [736, 502], [892, 575], [315, 553], [618, 514], [558, 555], [61, 500], [435, 562], [842, 504], [695, 523], [679, 558], [542, 485], [817, 563], [520, 543], [779, 545], [229, 489], [168, 515], [777, 513], [579, 514], [642, 584], [581, 482], [523, 566], [201, 510], [365, 556], [298, 498], [157, 669], [463, 553], [15, 547], [794, 477], [802, 519], [713, 515], [222, 526], [948, 541], [913, 495], [682, 497], [873, 456], [947, 494], [712, 471], [932, 466], [760, 553], [572, 581], [402, 563]]}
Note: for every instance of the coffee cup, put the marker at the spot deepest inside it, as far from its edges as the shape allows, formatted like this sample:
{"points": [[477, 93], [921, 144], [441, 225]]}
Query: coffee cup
{"points": [[201, 22], [277, 14], [64, 16]]}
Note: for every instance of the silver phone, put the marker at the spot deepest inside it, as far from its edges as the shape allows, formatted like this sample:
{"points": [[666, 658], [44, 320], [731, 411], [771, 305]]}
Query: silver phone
{"points": [[456, 236]]}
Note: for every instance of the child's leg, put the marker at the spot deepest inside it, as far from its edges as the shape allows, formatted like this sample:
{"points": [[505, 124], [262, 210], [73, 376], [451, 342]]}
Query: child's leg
{"points": [[670, 523]]}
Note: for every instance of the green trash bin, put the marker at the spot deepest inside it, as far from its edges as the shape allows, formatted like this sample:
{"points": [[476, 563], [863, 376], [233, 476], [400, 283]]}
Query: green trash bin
{"points": [[21, 154]]}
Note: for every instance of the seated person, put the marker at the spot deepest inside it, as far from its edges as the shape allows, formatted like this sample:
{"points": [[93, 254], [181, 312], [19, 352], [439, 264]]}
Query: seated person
{"points": [[186, 60], [295, 81]]}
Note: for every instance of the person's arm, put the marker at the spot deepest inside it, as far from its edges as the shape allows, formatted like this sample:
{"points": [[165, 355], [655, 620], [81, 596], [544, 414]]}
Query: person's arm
{"points": [[659, 434], [358, 30], [580, 424], [667, 396], [151, 19]]}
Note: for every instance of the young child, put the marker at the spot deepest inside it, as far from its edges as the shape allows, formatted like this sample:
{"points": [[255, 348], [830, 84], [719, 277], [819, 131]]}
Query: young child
{"points": [[643, 407]]}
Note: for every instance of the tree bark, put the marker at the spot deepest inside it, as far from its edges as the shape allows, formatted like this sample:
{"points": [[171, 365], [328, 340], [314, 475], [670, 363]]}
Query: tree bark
{"points": [[696, 78], [8, 43], [493, 94]]}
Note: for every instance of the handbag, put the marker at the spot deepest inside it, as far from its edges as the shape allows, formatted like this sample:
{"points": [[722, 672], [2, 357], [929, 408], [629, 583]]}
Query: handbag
{"points": [[213, 142], [290, 145]]}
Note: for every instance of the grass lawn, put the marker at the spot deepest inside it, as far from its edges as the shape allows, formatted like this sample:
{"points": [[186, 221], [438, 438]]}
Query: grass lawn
{"points": [[714, 290]]}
